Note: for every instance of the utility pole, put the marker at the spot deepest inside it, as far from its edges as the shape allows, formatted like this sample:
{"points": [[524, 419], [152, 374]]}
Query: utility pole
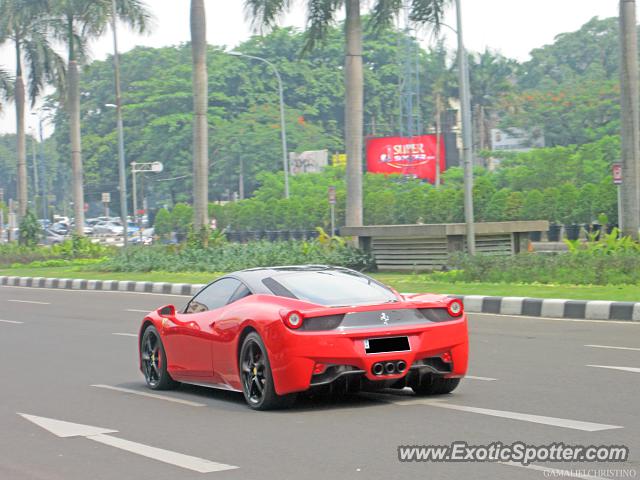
{"points": [[283, 128], [43, 172], [630, 124], [465, 114], [122, 175], [35, 172]]}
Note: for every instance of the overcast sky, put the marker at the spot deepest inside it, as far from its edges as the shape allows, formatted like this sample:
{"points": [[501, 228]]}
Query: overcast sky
{"points": [[513, 27]]}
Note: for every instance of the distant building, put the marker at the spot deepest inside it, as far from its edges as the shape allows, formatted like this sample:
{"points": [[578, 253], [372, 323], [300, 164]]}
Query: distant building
{"points": [[516, 140], [312, 161]]}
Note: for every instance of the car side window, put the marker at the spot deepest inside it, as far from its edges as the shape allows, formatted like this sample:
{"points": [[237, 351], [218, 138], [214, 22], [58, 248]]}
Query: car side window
{"points": [[214, 296], [240, 293]]}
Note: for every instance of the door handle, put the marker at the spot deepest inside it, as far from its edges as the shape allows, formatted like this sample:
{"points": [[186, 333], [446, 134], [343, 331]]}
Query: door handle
{"points": [[212, 324]]}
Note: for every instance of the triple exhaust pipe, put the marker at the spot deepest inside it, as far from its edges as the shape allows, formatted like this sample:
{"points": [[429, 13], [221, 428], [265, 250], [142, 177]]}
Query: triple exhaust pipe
{"points": [[389, 368]]}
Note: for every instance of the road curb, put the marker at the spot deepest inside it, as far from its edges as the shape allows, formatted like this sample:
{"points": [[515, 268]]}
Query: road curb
{"points": [[552, 307], [102, 285], [530, 307]]}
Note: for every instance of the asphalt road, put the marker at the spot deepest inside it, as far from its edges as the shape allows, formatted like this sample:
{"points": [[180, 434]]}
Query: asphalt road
{"points": [[56, 344]]}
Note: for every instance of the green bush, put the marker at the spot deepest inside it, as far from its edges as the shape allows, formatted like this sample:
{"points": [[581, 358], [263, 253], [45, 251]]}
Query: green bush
{"points": [[609, 261], [75, 248], [29, 230], [226, 257]]}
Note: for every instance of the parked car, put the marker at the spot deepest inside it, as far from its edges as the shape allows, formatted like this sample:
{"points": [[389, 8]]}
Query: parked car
{"points": [[60, 228], [108, 228], [51, 237]]}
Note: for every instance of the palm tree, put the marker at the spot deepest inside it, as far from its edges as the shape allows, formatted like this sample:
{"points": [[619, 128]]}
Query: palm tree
{"points": [[5, 86], [491, 76], [76, 22], [320, 15], [630, 121], [200, 123], [24, 24]]}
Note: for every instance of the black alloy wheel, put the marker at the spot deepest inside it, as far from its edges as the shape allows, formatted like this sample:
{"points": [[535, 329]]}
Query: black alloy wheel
{"points": [[257, 382], [153, 360]]}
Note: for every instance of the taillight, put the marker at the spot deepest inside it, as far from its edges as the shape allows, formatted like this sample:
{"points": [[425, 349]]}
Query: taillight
{"points": [[455, 308], [293, 320]]}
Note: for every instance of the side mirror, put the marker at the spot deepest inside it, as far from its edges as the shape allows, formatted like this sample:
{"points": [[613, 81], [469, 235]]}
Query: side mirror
{"points": [[168, 311]]}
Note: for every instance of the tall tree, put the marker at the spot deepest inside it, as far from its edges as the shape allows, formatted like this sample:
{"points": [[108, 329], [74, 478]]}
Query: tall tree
{"points": [[5, 86], [491, 77], [320, 15], [630, 108], [24, 24], [200, 122], [76, 23]]}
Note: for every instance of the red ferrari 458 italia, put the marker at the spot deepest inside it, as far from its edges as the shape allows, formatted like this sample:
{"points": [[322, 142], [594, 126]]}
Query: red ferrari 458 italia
{"points": [[274, 332]]}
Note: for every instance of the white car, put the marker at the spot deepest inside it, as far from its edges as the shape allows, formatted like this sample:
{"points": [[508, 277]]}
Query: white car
{"points": [[107, 228]]}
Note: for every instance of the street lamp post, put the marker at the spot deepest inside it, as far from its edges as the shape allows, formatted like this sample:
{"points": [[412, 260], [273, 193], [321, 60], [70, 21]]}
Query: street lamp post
{"points": [[122, 176], [465, 113], [283, 131], [41, 168], [154, 167]]}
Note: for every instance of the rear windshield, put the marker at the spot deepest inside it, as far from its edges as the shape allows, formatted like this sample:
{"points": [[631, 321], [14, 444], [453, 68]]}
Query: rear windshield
{"points": [[330, 288]]}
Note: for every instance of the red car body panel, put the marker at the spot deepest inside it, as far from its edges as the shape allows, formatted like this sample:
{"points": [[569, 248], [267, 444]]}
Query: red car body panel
{"points": [[203, 348]]}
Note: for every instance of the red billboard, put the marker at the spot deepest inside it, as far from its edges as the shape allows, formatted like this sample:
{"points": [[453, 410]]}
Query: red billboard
{"points": [[413, 156]]}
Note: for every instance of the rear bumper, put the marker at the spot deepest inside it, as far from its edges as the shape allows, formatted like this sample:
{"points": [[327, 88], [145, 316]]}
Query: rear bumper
{"points": [[293, 354]]}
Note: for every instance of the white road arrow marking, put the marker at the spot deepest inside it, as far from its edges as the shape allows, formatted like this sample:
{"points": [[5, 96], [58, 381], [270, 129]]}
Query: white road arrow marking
{"points": [[98, 434], [624, 369]]}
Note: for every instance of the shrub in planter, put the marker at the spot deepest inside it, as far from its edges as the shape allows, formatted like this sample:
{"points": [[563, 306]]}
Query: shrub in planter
{"points": [[554, 232], [572, 231], [271, 235]]}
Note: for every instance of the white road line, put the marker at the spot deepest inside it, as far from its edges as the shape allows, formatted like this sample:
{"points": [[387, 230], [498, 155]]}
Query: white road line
{"points": [[64, 429], [526, 317], [29, 301], [612, 367], [553, 472], [137, 311], [524, 417], [10, 321], [614, 348], [126, 334], [151, 395], [486, 379]]}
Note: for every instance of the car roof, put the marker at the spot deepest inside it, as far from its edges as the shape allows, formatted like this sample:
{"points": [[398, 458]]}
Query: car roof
{"points": [[253, 277]]}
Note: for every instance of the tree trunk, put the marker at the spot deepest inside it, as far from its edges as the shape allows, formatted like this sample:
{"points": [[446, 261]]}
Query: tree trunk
{"points": [[353, 112], [21, 147], [438, 134], [73, 109], [200, 123], [630, 128]]}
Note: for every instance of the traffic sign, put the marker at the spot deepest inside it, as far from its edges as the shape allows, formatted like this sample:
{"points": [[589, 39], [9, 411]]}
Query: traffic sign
{"points": [[332, 195], [106, 197], [616, 171]]}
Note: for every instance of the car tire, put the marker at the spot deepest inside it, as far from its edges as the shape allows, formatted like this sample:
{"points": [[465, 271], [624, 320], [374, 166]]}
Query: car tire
{"points": [[256, 378], [436, 385], [153, 360]]}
